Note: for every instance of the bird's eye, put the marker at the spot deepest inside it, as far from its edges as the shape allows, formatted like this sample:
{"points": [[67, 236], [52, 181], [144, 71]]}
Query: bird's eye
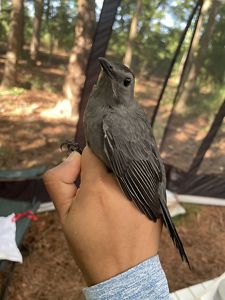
{"points": [[127, 81]]}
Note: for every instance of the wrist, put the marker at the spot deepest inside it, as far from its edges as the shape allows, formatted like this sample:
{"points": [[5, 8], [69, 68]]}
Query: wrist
{"points": [[144, 281], [118, 258], [105, 271]]}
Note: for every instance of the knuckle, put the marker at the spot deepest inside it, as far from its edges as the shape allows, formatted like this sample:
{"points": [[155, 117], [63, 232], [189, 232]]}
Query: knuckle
{"points": [[48, 176]]}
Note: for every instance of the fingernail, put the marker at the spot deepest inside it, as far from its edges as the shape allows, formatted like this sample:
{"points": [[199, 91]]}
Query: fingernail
{"points": [[72, 156]]}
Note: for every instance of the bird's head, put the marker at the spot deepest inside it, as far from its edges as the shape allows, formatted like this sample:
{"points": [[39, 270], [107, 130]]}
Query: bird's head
{"points": [[118, 80]]}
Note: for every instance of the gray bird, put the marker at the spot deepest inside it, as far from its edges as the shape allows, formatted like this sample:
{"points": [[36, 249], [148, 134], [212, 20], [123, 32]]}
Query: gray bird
{"points": [[118, 132]]}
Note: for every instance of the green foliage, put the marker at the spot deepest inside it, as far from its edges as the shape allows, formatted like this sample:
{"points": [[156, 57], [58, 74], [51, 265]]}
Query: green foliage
{"points": [[192, 210], [159, 28], [214, 70], [15, 91], [58, 24], [179, 15], [209, 91], [206, 100], [4, 20], [156, 39], [38, 82]]}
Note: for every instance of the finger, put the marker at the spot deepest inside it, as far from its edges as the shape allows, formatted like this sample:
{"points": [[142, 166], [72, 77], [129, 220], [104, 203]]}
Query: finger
{"points": [[60, 185], [91, 166]]}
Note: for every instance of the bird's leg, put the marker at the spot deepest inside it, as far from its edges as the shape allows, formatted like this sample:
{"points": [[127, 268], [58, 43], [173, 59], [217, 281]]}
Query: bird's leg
{"points": [[71, 146]]}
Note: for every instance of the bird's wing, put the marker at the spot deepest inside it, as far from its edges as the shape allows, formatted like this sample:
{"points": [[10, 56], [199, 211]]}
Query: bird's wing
{"points": [[136, 166], [133, 159]]}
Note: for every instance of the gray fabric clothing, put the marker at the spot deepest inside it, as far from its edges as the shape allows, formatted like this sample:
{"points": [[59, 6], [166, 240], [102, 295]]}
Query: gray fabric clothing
{"points": [[145, 281]]}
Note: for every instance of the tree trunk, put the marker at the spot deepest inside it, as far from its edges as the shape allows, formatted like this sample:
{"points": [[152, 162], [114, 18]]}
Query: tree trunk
{"points": [[14, 44], [21, 32], [206, 36], [132, 35], [198, 52], [173, 61], [207, 141], [35, 40], [84, 31]]}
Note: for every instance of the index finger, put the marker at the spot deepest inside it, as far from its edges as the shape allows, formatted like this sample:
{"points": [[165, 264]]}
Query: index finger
{"points": [[59, 182], [91, 166]]}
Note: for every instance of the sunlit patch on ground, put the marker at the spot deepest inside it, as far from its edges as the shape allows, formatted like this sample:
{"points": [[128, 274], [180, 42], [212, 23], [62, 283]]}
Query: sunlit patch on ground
{"points": [[28, 138]]}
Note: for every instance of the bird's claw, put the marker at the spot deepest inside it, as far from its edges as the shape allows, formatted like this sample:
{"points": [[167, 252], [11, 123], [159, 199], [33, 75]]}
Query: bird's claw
{"points": [[71, 146]]}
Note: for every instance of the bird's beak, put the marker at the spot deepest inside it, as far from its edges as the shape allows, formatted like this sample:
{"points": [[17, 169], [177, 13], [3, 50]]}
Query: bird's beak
{"points": [[106, 66]]}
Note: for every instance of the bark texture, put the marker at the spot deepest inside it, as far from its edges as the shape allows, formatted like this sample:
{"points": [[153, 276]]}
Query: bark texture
{"points": [[132, 35], [35, 40], [198, 52], [14, 44], [84, 31]]}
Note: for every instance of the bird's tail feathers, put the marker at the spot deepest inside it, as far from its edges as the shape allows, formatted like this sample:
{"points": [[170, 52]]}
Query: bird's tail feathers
{"points": [[172, 230]]}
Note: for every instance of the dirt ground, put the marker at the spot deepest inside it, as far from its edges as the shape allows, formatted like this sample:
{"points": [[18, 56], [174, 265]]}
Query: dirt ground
{"points": [[49, 271], [30, 137]]}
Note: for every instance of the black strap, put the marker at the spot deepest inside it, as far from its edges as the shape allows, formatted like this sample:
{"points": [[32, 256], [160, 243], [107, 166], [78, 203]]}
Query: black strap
{"points": [[99, 46], [181, 82], [177, 52], [207, 141]]}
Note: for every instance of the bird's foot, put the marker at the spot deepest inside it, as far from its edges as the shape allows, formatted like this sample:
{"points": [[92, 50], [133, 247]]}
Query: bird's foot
{"points": [[71, 146]]}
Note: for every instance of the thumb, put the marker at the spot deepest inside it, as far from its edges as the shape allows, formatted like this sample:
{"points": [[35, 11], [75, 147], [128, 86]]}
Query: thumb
{"points": [[60, 185]]}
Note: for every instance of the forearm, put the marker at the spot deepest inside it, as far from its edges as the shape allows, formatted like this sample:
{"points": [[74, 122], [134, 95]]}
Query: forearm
{"points": [[145, 281]]}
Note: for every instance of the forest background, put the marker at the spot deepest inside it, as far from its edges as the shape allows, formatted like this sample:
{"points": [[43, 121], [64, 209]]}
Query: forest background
{"points": [[44, 49], [45, 46]]}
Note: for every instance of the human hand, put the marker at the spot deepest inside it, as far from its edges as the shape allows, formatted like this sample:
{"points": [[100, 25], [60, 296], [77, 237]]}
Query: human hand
{"points": [[107, 234]]}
